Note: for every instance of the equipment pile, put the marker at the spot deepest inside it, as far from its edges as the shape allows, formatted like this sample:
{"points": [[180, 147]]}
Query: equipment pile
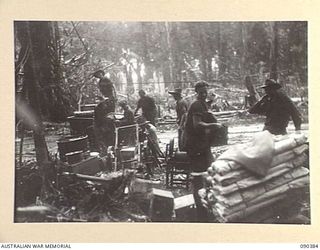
{"points": [[252, 190]]}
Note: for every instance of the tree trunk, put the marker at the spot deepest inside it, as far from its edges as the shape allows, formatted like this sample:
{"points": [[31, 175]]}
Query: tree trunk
{"points": [[176, 56], [169, 70], [212, 48], [275, 54], [128, 76], [243, 63], [165, 68], [146, 56], [221, 51], [203, 52], [138, 72], [32, 73]]}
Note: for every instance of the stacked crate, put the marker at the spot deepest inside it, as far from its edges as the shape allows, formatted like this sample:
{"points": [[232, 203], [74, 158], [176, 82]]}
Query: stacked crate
{"points": [[236, 192]]}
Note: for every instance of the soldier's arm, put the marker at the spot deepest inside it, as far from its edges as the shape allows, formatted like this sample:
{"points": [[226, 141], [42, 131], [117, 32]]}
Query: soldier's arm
{"points": [[114, 92], [137, 108], [199, 123], [293, 111], [260, 107]]}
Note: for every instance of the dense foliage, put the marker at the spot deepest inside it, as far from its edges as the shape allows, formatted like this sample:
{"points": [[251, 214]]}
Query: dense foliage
{"points": [[146, 55], [179, 53]]}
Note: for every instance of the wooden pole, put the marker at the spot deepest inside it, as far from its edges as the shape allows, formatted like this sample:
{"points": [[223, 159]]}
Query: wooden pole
{"points": [[21, 145]]}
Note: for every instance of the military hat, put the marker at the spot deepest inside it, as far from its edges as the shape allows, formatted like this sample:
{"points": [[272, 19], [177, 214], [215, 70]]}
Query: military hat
{"points": [[270, 83], [176, 91], [97, 72]]}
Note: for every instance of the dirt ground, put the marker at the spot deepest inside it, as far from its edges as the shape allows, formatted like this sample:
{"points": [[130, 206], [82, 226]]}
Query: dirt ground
{"points": [[239, 131]]}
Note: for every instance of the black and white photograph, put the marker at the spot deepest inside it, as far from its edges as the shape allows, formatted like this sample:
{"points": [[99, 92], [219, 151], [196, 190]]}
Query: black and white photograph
{"points": [[161, 121]]}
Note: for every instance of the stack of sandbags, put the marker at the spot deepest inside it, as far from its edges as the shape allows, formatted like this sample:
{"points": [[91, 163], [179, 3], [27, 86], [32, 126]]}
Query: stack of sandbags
{"points": [[237, 191]]}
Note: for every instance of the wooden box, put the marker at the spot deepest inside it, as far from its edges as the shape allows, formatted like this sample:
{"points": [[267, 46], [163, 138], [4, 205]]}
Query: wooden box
{"points": [[89, 166], [161, 205]]}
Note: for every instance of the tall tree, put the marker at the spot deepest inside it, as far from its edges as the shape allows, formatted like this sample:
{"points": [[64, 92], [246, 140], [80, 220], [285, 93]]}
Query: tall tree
{"points": [[34, 73], [169, 69], [275, 52]]}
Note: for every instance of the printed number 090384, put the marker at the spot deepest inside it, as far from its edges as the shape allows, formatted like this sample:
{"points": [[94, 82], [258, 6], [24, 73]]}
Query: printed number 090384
{"points": [[311, 246]]}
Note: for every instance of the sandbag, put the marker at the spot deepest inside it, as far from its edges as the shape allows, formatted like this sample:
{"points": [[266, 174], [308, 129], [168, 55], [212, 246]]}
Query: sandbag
{"points": [[240, 174], [242, 196], [265, 199], [255, 155]]}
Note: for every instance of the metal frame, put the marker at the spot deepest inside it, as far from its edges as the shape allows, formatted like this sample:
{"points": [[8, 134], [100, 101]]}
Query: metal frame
{"points": [[136, 126]]}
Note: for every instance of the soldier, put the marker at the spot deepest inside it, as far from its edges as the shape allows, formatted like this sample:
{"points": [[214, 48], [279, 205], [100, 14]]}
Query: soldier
{"points": [[181, 109], [104, 125], [148, 106], [128, 116], [278, 109], [126, 135], [104, 121], [106, 88], [197, 144]]}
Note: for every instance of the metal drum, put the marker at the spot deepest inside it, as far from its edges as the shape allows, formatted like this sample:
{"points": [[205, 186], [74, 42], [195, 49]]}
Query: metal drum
{"points": [[72, 144], [79, 125], [74, 157]]}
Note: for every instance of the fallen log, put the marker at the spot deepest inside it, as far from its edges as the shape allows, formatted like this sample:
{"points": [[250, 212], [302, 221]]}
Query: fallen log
{"points": [[231, 112]]}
